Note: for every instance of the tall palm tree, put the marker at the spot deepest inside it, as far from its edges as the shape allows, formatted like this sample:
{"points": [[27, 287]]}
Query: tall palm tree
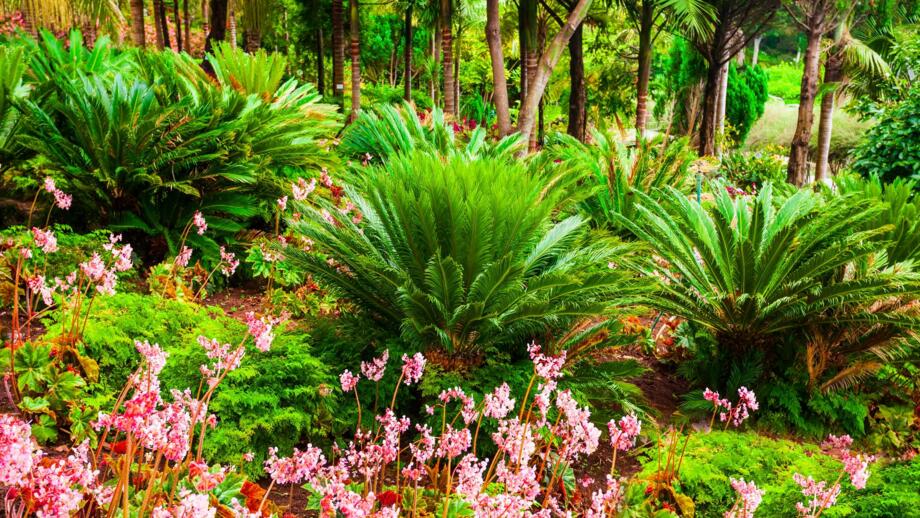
{"points": [[447, 51], [355, 30]]}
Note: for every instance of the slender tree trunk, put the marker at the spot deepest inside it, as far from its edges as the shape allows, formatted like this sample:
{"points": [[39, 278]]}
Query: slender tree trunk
{"points": [[720, 108], [187, 23], [797, 170], [355, 31], [158, 23], [217, 22], [578, 98], [232, 20], [499, 82], [432, 84], [833, 74], [530, 52], [646, 21], [178, 22], [253, 40], [338, 50], [756, 54], [320, 55], [205, 18], [407, 55], [164, 20], [447, 55], [137, 23], [457, 97], [708, 121], [528, 113]]}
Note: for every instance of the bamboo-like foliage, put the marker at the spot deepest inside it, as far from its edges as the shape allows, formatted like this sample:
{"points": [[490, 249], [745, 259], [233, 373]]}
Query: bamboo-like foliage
{"points": [[753, 269], [619, 170], [463, 255], [12, 91]]}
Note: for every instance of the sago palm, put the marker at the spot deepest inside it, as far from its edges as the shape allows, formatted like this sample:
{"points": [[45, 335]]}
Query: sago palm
{"points": [[387, 131], [754, 270], [463, 256], [619, 171]]}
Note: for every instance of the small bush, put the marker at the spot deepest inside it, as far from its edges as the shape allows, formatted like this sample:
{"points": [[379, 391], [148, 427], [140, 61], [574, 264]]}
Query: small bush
{"points": [[784, 80], [890, 149]]}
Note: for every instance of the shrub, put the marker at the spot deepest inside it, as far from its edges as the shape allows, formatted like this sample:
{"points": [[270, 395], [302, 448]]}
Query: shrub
{"points": [[784, 80], [890, 147], [616, 171], [279, 397], [756, 271], [460, 264], [890, 493], [751, 171], [744, 99], [711, 459]]}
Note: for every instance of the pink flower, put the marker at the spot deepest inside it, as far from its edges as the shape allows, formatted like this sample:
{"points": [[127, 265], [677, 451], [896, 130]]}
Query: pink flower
{"points": [[605, 502], [61, 199], [248, 456], [499, 403], [302, 189], [25, 253], [261, 329], [37, 285], [823, 497], [412, 368], [328, 217], [15, 450], [282, 203], [348, 380], [374, 369], [301, 466], [45, 240], [749, 498], [454, 442], [122, 255], [228, 261], [856, 466], [325, 178], [183, 257], [546, 367], [203, 478], [623, 434], [199, 222]]}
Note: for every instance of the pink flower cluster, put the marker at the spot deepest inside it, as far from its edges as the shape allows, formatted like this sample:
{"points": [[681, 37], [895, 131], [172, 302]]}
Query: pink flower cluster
{"points": [[823, 497], [199, 222], [623, 434], [856, 466], [262, 329], [228, 262], [45, 240], [302, 189], [374, 369], [301, 466], [183, 257], [749, 498], [99, 273], [734, 414], [413, 367], [226, 359], [61, 199]]}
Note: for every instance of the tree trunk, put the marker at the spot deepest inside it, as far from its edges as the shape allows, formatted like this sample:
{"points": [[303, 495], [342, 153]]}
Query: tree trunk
{"points": [[338, 50], [187, 23], [720, 108], [205, 18], [232, 19], [158, 23], [756, 54], [528, 113], [447, 56], [407, 55], [708, 121], [355, 32], [499, 82], [28, 22], [457, 73], [137, 23], [578, 99], [217, 23], [646, 22], [530, 56], [432, 84], [833, 74], [164, 21], [178, 22], [320, 56], [797, 170], [253, 40]]}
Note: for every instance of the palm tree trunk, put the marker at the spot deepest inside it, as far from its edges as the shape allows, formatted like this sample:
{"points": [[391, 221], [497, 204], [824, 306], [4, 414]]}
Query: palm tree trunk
{"points": [[578, 98], [457, 73], [158, 23], [797, 169], [187, 24], [320, 52], [355, 31], [231, 18], [833, 74], [253, 40], [499, 82], [407, 55], [707, 134], [720, 108], [528, 113], [137, 23], [178, 22], [530, 55], [164, 21], [447, 54], [646, 22], [338, 50], [205, 17]]}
